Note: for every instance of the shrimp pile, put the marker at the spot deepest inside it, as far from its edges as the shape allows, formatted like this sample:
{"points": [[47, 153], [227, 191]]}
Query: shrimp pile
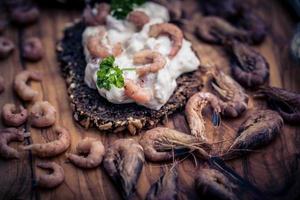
{"points": [[94, 150], [52, 180], [258, 130], [6, 136], [24, 91], [165, 187], [286, 103], [2, 88], [123, 162], [170, 30], [138, 18], [99, 18], [163, 144], [52, 148], [193, 112], [212, 184], [13, 115], [42, 114], [249, 67]]}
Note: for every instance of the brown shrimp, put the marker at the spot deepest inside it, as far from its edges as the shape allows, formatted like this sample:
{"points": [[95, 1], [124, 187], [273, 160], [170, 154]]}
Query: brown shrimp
{"points": [[286, 103], [248, 66], [216, 30], [24, 91], [2, 88], [13, 115], [99, 18], [212, 184], [42, 114], [170, 30], [233, 96], [52, 180], [138, 18], [155, 61], [165, 188], [33, 49], [136, 92], [193, 112], [24, 15], [6, 136], [164, 144], [123, 162], [6, 47], [258, 130], [53, 148], [94, 150]]}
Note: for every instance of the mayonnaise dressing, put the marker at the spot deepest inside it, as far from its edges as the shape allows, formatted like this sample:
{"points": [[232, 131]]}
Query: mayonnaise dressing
{"points": [[160, 85]]}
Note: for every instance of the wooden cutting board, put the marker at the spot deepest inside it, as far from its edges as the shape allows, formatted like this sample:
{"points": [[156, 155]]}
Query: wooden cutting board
{"points": [[274, 169]]}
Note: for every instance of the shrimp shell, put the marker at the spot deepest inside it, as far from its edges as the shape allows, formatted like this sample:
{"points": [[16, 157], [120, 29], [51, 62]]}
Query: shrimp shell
{"points": [[6, 136], [172, 31], [24, 91], [163, 144], [13, 115], [52, 148], [95, 150], [258, 130], [52, 180], [42, 114], [123, 162]]}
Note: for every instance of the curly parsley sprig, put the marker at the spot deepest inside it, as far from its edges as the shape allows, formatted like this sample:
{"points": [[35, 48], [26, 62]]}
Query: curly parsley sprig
{"points": [[109, 74], [121, 8]]}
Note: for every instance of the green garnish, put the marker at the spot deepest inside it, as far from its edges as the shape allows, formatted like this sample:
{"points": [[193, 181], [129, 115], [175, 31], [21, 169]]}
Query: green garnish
{"points": [[121, 8], [110, 74]]}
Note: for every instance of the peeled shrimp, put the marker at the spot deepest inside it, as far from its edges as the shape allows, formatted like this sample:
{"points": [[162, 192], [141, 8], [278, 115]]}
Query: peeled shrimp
{"points": [[136, 92], [1, 84], [97, 49], [52, 180], [234, 99], [138, 18], [13, 115], [163, 144], [193, 112], [52, 148], [20, 84], [212, 184], [6, 136], [123, 162], [172, 31], [95, 150], [154, 59], [42, 114]]}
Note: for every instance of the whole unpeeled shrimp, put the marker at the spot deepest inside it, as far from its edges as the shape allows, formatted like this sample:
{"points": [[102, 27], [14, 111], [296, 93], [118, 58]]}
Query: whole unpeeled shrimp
{"points": [[24, 91], [163, 144], [138, 18], [95, 150], [53, 148], [155, 61], [2, 88], [6, 136], [170, 30], [42, 114], [286, 103], [249, 67], [216, 30], [96, 47], [136, 92], [13, 115], [52, 180], [212, 184], [234, 100], [193, 112], [258, 130], [123, 162]]}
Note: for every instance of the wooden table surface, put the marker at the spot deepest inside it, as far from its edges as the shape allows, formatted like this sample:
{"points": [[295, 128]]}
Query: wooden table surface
{"points": [[273, 169]]}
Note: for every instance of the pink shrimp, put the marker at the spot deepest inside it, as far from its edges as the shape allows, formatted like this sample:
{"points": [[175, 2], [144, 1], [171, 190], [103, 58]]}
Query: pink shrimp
{"points": [[6, 136], [24, 91], [136, 92], [193, 112], [138, 18], [42, 114], [172, 31], [155, 59], [13, 115], [52, 180]]}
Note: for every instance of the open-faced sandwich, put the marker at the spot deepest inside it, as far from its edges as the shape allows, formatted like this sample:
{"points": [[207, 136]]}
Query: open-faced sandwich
{"points": [[127, 66]]}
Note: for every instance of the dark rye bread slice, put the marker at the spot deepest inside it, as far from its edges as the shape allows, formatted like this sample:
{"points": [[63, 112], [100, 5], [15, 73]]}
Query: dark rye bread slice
{"points": [[90, 109]]}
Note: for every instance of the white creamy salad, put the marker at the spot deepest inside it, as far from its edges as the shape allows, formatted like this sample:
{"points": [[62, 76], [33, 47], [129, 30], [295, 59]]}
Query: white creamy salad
{"points": [[160, 85]]}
